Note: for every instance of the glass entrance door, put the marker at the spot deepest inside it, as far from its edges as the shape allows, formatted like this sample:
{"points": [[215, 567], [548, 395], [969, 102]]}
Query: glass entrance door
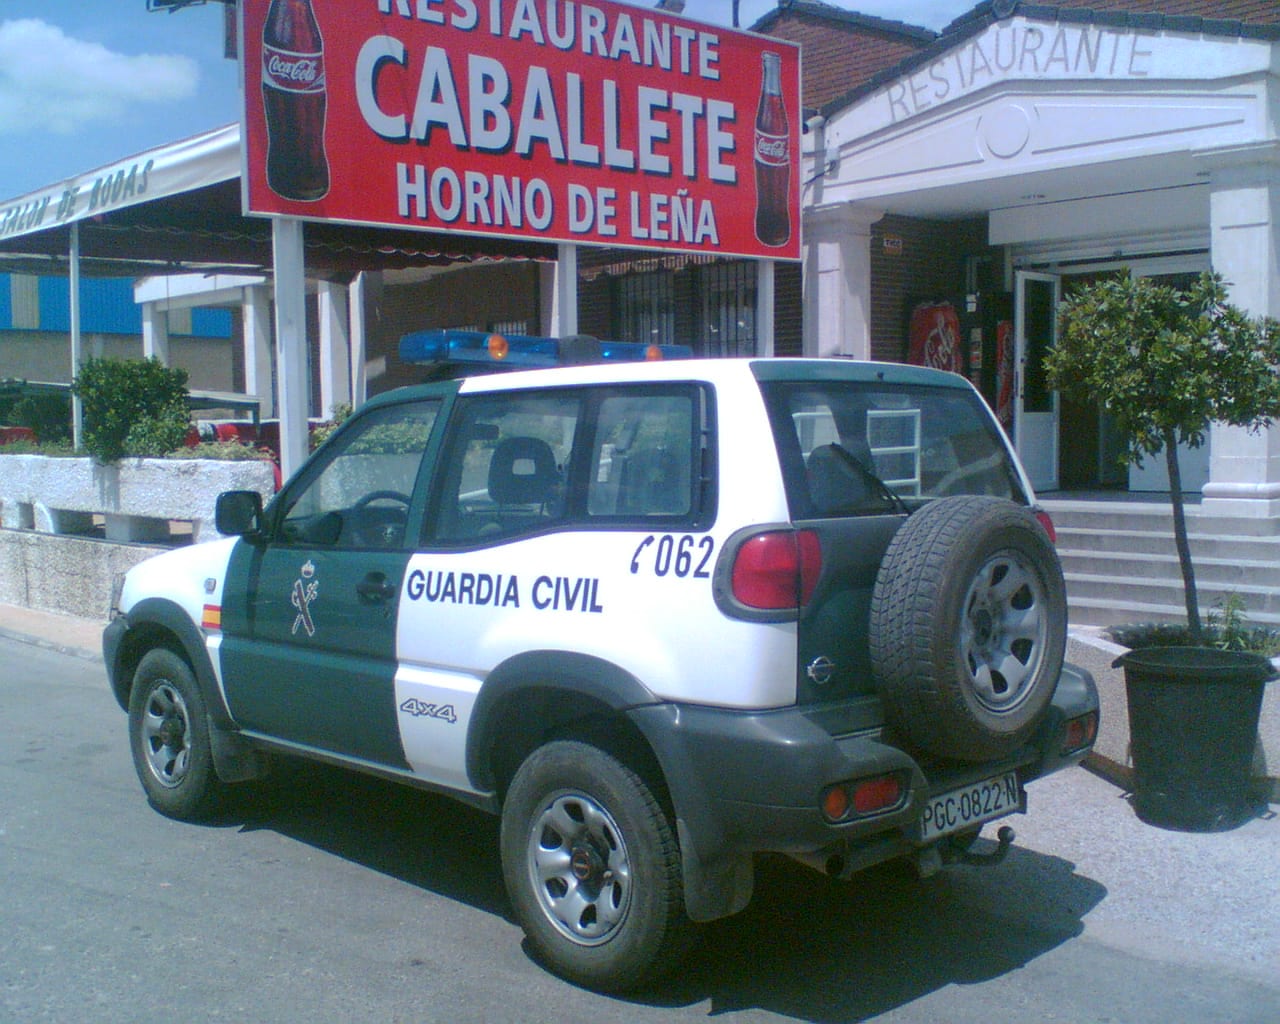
{"points": [[1035, 409]]}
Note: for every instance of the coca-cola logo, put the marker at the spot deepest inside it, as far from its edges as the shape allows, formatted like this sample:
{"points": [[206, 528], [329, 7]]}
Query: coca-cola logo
{"points": [[293, 71], [771, 149]]}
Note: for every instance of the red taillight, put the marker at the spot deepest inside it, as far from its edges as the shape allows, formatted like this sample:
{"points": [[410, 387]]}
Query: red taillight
{"points": [[863, 797], [872, 795], [777, 570], [1042, 517]]}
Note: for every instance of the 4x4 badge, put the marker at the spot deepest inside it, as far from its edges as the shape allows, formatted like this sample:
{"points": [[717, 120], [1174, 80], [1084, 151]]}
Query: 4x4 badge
{"points": [[303, 595]]}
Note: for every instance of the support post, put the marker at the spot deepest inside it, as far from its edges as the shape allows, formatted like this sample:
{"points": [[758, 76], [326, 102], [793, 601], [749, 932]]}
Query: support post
{"points": [[837, 280], [256, 322], [1244, 214], [292, 378], [565, 316], [77, 354], [359, 338], [766, 304], [155, 333], [335, 348]]}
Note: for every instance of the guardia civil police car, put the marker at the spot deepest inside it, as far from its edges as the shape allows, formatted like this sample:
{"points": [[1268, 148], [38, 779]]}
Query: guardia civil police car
{"points": [[660, 616]]}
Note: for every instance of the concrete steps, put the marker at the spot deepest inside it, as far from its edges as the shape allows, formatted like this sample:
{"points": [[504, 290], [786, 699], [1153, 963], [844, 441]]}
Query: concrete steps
{"points": [[1121, 565]]}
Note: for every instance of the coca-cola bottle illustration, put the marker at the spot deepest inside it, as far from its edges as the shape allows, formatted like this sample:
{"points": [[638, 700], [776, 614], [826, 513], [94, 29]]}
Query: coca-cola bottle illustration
{"points": [[772, 158], [294, 98]]}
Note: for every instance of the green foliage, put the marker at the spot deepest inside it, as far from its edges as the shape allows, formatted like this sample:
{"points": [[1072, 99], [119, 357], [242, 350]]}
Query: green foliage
{"points": [[399, 438], [156, 436], [48, 415], [1227, 628], [131, 407], [223, 451], [1165, 361], [55, 448], [323, 431]]}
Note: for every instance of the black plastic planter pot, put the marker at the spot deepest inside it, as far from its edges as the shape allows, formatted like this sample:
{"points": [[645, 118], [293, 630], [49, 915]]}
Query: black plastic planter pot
{"points": [[1193, 723]]}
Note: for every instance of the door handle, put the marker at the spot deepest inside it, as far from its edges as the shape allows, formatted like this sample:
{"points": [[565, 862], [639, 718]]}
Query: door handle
{"points": [[374, 588]]}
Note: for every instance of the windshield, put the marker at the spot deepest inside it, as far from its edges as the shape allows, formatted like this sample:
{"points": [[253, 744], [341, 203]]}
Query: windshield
{"points": [[854, 448]]}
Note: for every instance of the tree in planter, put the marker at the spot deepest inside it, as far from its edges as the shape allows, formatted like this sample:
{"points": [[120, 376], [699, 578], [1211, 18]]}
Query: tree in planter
{"points": [[132, 407], [1166, 363]]}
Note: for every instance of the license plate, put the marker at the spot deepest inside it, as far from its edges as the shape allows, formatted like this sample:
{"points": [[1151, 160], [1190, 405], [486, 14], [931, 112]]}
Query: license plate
{"points": [[966, 806]]}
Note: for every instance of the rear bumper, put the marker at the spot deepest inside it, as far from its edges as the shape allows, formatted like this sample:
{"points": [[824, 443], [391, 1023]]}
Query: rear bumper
{"points": [[751, 782]]}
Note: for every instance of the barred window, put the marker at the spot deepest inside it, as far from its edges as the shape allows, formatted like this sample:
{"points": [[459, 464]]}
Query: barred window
{"points": [[728, 309], [646, 308]]}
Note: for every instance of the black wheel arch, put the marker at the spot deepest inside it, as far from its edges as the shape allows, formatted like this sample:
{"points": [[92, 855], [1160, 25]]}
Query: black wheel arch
{"points": [[537, 695], [158, 622]]}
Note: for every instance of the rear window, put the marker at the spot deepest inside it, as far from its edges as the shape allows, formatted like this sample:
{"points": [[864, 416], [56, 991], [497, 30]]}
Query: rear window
{"points": [[854, 448]]}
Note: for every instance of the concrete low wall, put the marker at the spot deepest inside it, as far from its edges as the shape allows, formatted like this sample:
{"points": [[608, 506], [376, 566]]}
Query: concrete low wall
{"points": [[137, 497], [69, 575], [1089, 649]]}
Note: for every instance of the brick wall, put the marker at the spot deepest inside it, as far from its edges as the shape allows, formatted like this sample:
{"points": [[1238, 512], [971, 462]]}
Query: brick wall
{"points": [[839, 52], [914, 261]]}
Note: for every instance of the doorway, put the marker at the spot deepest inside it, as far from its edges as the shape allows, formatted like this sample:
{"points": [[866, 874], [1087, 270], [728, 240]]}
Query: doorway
{"points": [[1067, 445]]}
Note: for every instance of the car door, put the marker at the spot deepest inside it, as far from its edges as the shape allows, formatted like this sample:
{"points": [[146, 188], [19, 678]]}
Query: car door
{"points": [[309, 614]]}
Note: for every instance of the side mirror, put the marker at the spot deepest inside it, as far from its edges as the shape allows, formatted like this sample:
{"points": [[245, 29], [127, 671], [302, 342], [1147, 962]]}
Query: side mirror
{"points": [[238, 513]]}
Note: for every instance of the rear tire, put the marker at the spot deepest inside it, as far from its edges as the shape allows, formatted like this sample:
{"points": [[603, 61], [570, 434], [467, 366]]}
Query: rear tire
{"points": [[968, 627], [169, 738], [592, 867]]}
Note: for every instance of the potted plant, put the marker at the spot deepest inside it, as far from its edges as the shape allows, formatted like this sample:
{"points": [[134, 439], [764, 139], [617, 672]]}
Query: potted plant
{"points": [[1166, 363]]}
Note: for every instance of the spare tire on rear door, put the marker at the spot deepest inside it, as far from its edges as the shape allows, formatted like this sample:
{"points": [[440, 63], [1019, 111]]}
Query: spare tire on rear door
{"points": [[968, 627]]}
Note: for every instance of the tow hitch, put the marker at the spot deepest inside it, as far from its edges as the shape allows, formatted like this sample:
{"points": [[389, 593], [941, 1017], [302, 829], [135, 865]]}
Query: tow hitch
{"points": [[1004, 840], [930, 861]]}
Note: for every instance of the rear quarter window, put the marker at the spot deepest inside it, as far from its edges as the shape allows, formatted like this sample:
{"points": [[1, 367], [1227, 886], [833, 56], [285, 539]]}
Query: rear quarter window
{"points": [[856, 448]]}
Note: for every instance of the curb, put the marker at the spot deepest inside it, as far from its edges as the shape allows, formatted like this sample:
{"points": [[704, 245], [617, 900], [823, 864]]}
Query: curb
{"points": [[49, 645]]}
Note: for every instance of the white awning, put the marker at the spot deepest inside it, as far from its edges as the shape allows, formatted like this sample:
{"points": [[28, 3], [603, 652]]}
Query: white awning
{"points": [[168, 170]]}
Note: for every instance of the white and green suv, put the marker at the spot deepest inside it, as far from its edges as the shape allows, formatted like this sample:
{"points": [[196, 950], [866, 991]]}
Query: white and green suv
{"points": [[660, 617]]}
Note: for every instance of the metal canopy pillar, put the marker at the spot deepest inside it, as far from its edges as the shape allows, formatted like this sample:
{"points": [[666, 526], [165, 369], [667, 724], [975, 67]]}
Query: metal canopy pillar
{"points": [[565, 317], [77, 348], [292, 379]]}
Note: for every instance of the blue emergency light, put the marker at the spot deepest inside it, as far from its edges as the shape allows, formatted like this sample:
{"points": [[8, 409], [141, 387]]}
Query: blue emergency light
{"points": [[479, 350]]}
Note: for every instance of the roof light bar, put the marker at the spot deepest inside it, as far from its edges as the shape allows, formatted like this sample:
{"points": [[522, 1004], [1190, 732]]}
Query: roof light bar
{"points": [[526, 351]]}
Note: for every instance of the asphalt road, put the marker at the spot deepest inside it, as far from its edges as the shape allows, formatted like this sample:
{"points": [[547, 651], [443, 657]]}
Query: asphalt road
{"points": [[326, 897]]}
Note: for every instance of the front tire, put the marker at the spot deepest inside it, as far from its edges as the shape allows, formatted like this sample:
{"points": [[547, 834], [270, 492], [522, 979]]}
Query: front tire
{"points": [[592, 867], [169, 738]]}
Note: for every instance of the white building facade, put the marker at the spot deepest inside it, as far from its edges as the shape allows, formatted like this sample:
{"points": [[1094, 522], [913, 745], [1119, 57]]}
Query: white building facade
{"points": [[1139, 141]]}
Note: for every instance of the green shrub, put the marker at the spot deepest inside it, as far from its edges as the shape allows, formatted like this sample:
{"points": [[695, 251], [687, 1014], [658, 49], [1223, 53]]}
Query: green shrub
{"points": [[1227, 628], [48, 415], [59, 448], [223, 451], [119, 398], [156, 436], [323, 431]]}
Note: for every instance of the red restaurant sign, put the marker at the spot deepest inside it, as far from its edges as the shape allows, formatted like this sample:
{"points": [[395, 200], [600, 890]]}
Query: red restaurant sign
{"points": [[567, 120]]}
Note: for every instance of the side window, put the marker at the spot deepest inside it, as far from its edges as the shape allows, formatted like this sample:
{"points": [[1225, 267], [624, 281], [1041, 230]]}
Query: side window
{"points": [[506, 468], [643, 459], [359, 492]]}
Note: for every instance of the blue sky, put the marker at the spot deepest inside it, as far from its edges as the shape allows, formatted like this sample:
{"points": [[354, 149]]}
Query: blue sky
{"points": [[87, 82]]}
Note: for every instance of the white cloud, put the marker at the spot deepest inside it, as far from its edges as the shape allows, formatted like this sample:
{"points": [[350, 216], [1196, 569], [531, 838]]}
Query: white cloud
{"points": [[50, 81]]}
